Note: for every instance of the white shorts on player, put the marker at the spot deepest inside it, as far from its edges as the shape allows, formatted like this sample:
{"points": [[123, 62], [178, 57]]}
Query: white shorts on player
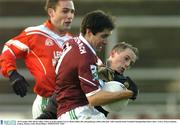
{"points": [[39, 105], [82, 113]]}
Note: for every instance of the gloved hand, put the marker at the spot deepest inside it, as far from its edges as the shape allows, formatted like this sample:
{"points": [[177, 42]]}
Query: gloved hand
{"points": [[133, 87], [120, 78], [18, 83], [106, 74]]}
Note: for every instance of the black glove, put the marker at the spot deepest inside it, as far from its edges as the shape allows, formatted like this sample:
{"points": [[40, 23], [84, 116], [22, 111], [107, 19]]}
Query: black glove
{"points": [[18, 83], [119, 78], [133, 87]]}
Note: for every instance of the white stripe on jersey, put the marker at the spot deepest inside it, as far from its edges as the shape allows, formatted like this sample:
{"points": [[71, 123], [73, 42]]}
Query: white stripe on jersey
{"points": [[62, 57], [19, 45], [41, 28], [93, 92], [87, 43], [87, 81], [41, 33], [40, 62], [7, 48]]}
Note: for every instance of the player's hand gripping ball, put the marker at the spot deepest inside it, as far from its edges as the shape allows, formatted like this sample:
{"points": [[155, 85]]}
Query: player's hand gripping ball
{"points": [[115, 107]]}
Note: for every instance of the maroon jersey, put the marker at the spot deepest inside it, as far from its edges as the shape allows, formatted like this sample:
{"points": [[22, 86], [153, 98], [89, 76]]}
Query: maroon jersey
{"points": [[76, 75]]}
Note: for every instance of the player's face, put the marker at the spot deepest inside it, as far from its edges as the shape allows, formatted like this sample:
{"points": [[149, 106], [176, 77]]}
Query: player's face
{"points": [[99, 40], [121, 61], [62, 15]]}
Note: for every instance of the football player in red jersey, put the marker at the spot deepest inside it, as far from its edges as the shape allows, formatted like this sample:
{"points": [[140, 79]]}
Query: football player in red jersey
{"points": [[77, 83], [40, 47]]}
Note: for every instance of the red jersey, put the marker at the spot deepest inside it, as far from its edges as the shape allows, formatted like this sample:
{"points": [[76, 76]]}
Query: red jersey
{"points": [[76, 75], [40, 47]]}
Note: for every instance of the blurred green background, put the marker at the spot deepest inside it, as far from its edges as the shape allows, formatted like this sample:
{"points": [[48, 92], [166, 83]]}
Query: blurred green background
{"points": [[153, 26]]}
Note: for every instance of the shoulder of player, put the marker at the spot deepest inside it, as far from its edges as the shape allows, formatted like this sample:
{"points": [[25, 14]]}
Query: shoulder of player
{"points": [[41, 30], [80, 46], [33, 28], [46, 33]]}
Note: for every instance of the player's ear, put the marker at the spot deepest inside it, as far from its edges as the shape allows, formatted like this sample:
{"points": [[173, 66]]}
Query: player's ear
{"points": [[88, 31], [89, 34], [111, 54], [50, 12]]}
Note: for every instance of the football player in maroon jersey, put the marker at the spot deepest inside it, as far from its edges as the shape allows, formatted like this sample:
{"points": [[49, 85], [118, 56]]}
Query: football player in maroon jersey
{"points": [[77, 83]]}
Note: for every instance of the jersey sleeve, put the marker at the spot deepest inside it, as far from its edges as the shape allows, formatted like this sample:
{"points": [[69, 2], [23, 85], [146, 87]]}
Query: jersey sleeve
{"points": [[88, 75], [15, 48]]}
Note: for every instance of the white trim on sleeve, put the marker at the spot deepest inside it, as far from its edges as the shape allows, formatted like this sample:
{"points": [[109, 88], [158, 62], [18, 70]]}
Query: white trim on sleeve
{"points": [[18, 45], [7, 48], [93, 92], [87, 81], [40, 62]]}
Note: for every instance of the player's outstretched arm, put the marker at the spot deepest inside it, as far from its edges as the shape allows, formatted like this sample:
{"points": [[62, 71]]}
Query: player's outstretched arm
{"points": [[104, 97]]}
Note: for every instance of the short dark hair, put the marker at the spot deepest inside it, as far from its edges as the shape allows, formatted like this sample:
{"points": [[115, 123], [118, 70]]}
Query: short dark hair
{"points": [[96, 21]]}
